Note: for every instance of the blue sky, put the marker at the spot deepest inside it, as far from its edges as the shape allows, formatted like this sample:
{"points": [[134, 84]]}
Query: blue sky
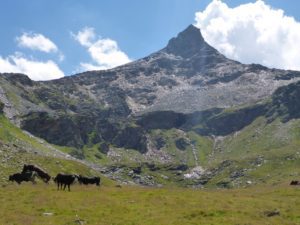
{"points": [[137, 27]]}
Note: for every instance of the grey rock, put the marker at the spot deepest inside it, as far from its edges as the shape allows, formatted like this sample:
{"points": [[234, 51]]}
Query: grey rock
{"points": [[272, 213], [185, 84], [104, 148], [181, 144]]}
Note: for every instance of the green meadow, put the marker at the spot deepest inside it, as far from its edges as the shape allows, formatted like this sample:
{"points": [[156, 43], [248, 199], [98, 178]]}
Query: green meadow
{"points": [[128, 205], [268, 155]]}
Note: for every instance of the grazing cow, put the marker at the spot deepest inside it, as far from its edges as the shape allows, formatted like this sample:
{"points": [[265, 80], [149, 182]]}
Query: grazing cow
{"points": [[295, 182], [64, 179], [41, 173], [89, 180], [20, 177]]}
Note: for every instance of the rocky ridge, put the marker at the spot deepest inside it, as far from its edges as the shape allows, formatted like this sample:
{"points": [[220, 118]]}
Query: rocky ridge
{"points": [[186, 76], [147, 105]]}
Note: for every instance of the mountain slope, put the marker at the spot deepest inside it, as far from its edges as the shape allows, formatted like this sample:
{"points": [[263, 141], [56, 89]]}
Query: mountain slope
{"points": [[18, 148], [184, 106], [186, 76]]}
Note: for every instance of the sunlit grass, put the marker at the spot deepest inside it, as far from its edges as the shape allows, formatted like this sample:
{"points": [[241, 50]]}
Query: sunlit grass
{"points": [[27, 204]]}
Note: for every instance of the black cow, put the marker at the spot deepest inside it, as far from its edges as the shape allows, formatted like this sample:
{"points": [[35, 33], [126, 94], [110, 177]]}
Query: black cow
{"points": [[295, 182], [40, 172], [64, 179], [89, 180], [20, 177]]}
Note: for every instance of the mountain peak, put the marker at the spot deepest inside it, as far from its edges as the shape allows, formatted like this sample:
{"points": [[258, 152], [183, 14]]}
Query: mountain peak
{"points": [[187, 43]]}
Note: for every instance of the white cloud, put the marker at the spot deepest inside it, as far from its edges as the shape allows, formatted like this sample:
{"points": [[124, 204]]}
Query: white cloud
{"points": [[107, 53], [36, 70], [89, 67], [85, 37], [61, 57], [104, 51], [252, 33], [36, 41]]}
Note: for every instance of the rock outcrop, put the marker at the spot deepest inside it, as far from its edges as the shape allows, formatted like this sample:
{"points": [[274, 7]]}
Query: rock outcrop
{"points": [[179, 86]]}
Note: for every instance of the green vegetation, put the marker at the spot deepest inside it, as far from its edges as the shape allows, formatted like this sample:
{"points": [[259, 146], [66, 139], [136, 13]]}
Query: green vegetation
{"points": [[268, 152], [203, 145], [260, 153], [42, 204], [265, 152], [18, 148], [11, 134], [184, 156], [262, 150]]}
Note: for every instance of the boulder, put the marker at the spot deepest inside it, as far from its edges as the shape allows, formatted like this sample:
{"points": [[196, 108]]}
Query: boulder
{"points": [[103, 148], [181, 144]]}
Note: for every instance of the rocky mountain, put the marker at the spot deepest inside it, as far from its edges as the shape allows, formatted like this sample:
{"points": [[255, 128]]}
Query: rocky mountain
{"points": [[169, 107], [186, 76]]}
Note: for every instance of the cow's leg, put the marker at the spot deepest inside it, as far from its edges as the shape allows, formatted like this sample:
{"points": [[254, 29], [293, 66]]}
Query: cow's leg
{"points": [[65, 186]]}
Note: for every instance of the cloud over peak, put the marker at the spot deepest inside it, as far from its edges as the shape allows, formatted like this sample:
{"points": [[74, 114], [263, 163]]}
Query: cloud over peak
{"points": [[36, 70], [104, 52], [252, 33], [36, 41]]}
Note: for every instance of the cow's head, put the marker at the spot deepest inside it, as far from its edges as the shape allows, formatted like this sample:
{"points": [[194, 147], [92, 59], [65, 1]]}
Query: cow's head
{"points": [[25, 168]]}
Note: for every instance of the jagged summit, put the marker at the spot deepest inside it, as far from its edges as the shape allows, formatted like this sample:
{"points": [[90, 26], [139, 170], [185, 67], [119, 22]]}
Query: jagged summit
{"points": [[186, 76], [165, 106], [188, 43]]}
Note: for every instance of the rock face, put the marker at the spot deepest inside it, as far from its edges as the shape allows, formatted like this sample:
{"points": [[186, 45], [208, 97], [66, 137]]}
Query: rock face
{"points": [[131, 138], [181, 144], [179, 86], [286, 102], [189, 43]]}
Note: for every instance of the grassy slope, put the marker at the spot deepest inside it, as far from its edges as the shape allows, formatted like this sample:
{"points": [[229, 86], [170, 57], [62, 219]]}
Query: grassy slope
{"points": [[277, 144], [18, 148], [265, 153], [27, 204]]}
